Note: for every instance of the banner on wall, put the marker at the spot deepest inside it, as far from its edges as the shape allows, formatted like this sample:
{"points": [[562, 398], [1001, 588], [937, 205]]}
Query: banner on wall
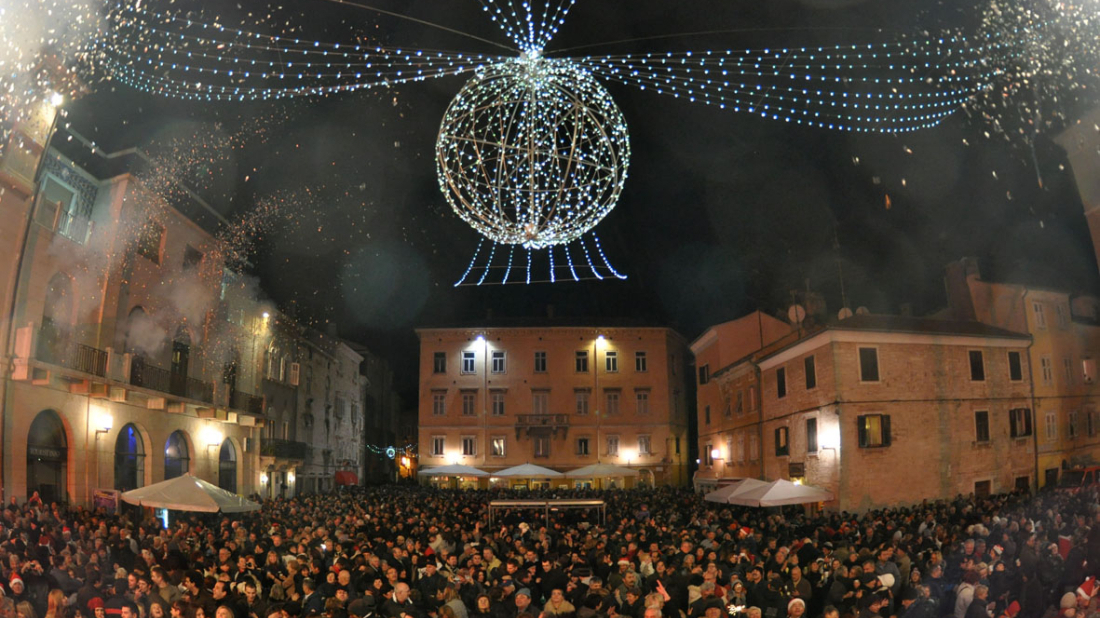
{"points": [[106, 499]]}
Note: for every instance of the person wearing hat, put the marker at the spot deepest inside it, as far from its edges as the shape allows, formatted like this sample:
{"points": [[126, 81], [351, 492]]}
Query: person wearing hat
{"points": [[359, 608], [796, 608], [520, 603]]}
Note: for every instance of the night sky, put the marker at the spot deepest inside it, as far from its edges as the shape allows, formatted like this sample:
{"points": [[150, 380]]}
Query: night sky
{"points": [[722, 213]]}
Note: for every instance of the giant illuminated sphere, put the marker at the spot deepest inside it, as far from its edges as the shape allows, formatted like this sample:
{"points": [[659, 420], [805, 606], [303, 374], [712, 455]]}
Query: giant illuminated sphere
{"points": [[532, 151]]}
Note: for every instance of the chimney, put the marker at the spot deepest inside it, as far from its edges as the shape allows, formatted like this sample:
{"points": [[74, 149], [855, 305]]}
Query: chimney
{"points": [[955, 279]]}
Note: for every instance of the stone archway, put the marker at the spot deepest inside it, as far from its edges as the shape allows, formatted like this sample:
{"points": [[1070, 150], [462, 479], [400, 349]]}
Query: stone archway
{"points": [[47, 458]]}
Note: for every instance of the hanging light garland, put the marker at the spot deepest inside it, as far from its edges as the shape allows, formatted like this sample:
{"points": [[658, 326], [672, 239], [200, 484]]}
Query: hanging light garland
{"points": [[533, 152]]}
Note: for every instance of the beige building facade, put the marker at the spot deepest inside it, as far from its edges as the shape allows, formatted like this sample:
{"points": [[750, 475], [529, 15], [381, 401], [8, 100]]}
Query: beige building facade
{"points": [[559, 397], [124, 334], [728, 397], [887, 410], [1061, 361]]}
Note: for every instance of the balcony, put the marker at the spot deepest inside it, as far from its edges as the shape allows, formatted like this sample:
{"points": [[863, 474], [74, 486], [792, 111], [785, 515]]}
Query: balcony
{"points": [[284, 449], [56, 349], [246, 402], [541, 424], [154, 378]]}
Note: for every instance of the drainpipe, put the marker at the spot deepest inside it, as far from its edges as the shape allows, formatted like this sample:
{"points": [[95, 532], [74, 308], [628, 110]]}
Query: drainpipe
{"points": [[1031, 386]]}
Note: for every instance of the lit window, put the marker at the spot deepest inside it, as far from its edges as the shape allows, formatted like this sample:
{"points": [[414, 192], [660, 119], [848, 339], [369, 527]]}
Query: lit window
{"points": [[874, 430], [582, 446], [782, 442], [1019, 422], [497, 446]]}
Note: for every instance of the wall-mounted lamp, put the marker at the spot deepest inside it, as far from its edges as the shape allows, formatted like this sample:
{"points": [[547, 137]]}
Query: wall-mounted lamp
{"points": [[481, 338], [104, 422], [212, 437], [715, 454], [290, 477], [56, 99], [266, 315], [263, 478]]}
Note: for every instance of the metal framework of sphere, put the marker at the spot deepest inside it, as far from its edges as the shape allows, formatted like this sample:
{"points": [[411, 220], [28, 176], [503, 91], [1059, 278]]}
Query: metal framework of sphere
{"points": [[532, 152]]}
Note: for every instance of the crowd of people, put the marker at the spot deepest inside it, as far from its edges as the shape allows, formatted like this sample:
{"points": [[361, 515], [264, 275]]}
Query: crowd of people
{"points": [[418, 552]]}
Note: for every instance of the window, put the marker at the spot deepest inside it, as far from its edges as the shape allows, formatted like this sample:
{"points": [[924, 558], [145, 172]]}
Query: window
{"points": [[640, 364], [582, 446], [612, 403], [611, 362], [641, 402], [469, 446], [704, 374], [498, 403], [983, 489], [1090, 422], [1072, 425], [706, 415], [192, 257], [581, 397], [1019, 422], [868, 364], [438, 443], [469, 403], [612, 445], [811, 435], [811, 372], [874, 430], [542, 446], [741, 447], [439, 404], [498, 361], [1040, 319], [782, 444], [1047, 368], [582, 361], [1067, 369], [150, 241], [497, 446], [752, 398], [754, 447], [1015, 367], [977, 366], [1063, 316], [1052, 426], [468, 359], [739, 405], [708, 455], [540, 362], [781, 382], [981, 426], [540, 402], [1088, 369], [644, 445]]}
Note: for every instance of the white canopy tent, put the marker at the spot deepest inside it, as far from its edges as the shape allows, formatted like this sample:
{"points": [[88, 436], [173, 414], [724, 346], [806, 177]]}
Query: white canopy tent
{"points": [[600, 470], [780, 493], [453, 470], [723, 494], [528, 471], [189, 493]]}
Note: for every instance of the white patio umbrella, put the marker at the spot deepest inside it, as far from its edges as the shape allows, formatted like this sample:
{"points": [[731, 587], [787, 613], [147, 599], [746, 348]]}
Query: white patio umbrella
{"points": [[599, 470], [780, 493], [528, 471], [723, 494], [452, 470], [189, 493]]}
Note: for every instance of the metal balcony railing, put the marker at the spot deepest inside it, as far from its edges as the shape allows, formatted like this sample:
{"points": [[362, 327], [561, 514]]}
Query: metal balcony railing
{"points": [[240, 400], [284, 449], [149, 376], [56, 348], [542, 420]]}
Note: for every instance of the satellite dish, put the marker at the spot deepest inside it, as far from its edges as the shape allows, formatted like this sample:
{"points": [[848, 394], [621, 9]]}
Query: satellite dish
{"points": [[796, 314], [862, 311], [844, 314]]}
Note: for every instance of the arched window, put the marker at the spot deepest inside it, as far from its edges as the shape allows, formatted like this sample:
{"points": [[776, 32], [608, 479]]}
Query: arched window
{"points": [[129, 459], [227, 466], [177, 458], [47, 456]]}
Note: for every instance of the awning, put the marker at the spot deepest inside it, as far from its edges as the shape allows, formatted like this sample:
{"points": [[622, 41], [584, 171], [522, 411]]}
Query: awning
{"points": [[346, 477], [188, 493]]}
